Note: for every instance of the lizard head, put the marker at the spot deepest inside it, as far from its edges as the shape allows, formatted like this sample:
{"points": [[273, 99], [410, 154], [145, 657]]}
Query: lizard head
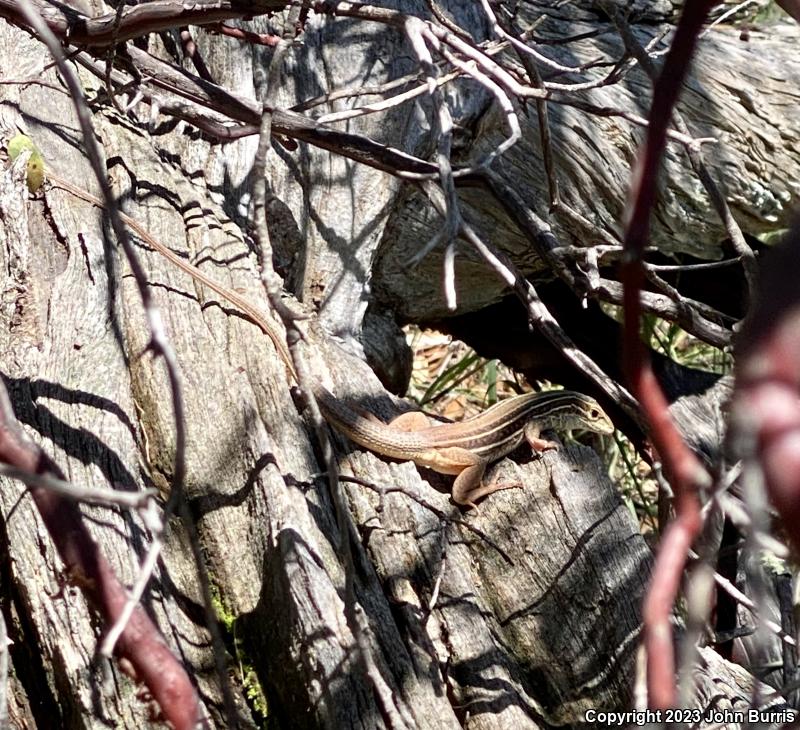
{"points": [[588, 414]]}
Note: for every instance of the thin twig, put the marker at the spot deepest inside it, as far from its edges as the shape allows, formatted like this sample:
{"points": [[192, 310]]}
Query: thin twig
{"points": [[155, 526], [86, 495], [193, 54], [441, 514], [443, 133], [248, 36]]}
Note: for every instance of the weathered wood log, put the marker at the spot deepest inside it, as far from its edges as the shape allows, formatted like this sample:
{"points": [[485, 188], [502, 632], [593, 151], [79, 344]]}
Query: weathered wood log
{"points": [[735, 94]]}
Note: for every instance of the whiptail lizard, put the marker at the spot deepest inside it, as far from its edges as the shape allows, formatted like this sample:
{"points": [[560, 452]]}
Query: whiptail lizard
{"points": [[463, 449]]}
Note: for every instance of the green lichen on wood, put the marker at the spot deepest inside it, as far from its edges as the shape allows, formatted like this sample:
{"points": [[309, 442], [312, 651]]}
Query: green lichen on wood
{"points": [[246, 671]]}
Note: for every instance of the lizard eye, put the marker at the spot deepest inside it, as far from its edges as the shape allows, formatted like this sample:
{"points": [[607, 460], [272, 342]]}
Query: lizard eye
{"points": [[594, 413]]}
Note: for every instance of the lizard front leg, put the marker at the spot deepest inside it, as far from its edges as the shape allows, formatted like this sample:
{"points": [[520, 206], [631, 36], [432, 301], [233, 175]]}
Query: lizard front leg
{"points": [[537, 443], [468, 486]]}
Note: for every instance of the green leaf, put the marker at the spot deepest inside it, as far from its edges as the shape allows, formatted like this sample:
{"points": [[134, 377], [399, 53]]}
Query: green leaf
{"points": [[21, 143]]}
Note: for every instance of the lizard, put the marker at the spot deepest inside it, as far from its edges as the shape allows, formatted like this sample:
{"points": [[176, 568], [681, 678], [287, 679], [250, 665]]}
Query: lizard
{"points": [[463, 449]]}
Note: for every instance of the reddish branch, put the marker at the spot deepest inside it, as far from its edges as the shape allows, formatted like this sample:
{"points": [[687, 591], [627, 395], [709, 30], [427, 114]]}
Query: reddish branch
{"points": [[766, 407], [248, 36], [685, 472], [149, 660], [193, 53], [792, 7]]}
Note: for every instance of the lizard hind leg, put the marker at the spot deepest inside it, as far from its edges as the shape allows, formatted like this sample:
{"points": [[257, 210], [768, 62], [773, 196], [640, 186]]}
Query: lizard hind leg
{"points": [[469, 486], [410, 421]]}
